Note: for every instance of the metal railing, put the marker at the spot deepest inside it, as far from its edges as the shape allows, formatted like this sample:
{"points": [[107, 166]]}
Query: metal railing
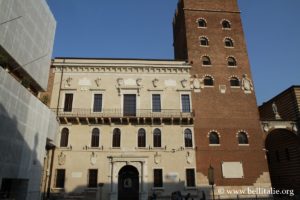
{"points": [[111, 113]]}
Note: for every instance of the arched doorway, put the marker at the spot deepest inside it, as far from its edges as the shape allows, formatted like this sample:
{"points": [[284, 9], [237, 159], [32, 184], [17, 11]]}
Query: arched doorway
{"points": [[283, 154], [128, 183]]}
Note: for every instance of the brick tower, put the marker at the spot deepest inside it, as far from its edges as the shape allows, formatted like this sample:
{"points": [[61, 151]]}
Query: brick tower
{"points": [[209, 35]]}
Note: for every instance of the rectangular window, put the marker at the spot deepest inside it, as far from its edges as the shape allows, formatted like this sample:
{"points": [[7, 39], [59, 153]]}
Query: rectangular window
{"points": [[93, 178], [60, 178], [129, 105], [97, 107], [158, 178], [68, 103], [190, 178], [185, 103], [156, 103]]}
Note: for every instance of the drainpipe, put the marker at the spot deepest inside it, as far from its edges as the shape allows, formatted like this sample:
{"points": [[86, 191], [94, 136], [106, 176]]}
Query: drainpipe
{"points": [[60, 84]]}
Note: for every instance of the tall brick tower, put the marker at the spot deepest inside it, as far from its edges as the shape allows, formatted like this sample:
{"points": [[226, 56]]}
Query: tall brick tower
{"points": [[209, 35]]}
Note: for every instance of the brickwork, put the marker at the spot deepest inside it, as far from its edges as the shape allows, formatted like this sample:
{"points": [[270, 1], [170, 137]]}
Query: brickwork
{"points": [[226, 112]]}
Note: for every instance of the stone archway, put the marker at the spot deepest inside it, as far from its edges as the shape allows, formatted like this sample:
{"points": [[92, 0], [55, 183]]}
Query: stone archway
{"points": [[283, 154], [128, 183]]}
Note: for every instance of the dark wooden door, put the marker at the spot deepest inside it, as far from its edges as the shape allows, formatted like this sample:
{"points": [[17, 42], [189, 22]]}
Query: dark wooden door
{"points": [[128, 183]]}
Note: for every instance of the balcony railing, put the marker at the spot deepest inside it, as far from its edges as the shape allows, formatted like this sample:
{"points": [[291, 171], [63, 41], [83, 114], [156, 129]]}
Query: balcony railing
{"points": [[118, 113]]}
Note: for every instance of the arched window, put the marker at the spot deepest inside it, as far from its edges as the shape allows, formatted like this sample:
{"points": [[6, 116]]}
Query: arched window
{"points": [[188, 138], [116, 138], [226, 24], [234, 82], [141, 138], [206, 60], [228, 42], [243, 138], [95, 137], [208, 81], [64, 138], [202, 23], [214, 138], [231, 61], [203, 41], [156, 138]]}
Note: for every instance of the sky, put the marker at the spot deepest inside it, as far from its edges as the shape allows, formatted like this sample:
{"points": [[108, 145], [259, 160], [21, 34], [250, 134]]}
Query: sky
{"points": [[143, 29]]}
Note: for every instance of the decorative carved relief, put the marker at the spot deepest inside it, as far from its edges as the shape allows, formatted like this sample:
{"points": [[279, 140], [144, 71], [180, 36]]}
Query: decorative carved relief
{"points": [[184, 83], [138, 82], [275, 111], [157, 158], [97, 81], [93, 158], [155, 82], [68, 82], [247, 85], [196, 83], [120, 81], [189, 158], [61, 158]]}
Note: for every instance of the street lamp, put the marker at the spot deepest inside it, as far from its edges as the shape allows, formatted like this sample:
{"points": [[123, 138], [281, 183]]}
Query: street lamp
{"points": [[211, 179]]}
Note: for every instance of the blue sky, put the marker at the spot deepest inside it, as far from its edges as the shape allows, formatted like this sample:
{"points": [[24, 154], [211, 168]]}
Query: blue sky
{"points": [[143, 29]]}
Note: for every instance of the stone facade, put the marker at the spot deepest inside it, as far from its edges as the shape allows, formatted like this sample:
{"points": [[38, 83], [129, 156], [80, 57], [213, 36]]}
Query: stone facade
{"points": [[113, 80]]}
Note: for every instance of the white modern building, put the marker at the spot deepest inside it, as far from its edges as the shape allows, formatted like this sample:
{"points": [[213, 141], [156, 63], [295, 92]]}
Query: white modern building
{"points": [[26, 124]]}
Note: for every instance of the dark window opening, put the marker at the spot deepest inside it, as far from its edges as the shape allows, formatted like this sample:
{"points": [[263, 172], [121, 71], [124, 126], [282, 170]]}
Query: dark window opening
{"points": [[97, 107], [141, 138], [156, 138], [68, 103], [228, 42], [158, 178], [203, 41], [214, 138], [190, 178], [156, 103], [116, 137], [64, 138], [60, 178], [231, 61], [93, 178], [188, 138], [234, 82], [185, 103], [129, 106], [243, 138], [226, 24], [202, 23], [208, 81], [95, 137], [206, 60]]}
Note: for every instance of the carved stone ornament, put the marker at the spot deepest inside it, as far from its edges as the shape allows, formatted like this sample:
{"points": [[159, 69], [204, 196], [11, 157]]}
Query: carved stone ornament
{"points": [[196, 83], [188, 158], [266, 127], [138, 82], [61, 158], [68, 82], [120, 81], [157, 158], [275, 111], [155, 82], [184, 83], [93, 159], [247, 85], [97, 81]]}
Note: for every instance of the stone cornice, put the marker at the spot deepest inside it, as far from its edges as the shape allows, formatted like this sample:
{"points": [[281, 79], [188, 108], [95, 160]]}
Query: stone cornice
{"points": [[131, 69]]}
